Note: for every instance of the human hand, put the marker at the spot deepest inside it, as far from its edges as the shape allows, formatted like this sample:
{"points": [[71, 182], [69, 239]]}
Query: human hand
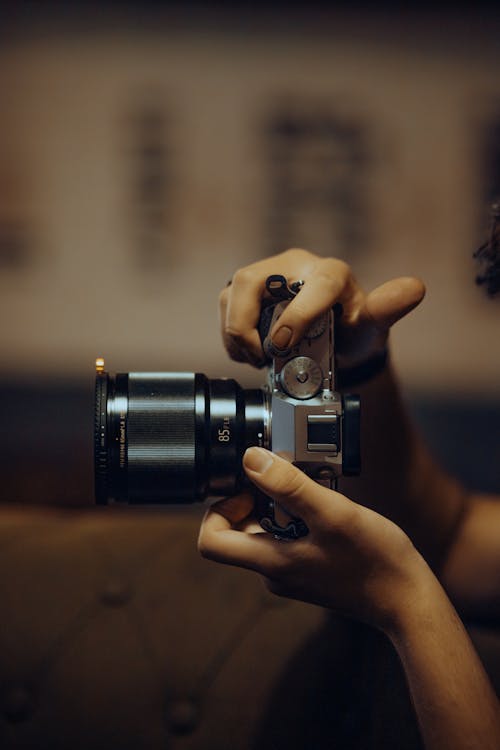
{"points": [[366, 319], [353, 560]]}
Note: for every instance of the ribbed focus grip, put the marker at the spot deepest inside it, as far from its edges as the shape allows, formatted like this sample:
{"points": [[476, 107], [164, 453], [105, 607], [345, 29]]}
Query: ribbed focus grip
{"points": [[161, 437]]}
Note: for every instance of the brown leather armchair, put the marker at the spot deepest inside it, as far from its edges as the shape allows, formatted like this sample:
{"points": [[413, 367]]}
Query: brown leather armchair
{"points": [[114, 633]]}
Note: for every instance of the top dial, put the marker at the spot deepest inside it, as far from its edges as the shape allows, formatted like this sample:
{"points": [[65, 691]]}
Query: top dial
{"points": [[301, 377]]}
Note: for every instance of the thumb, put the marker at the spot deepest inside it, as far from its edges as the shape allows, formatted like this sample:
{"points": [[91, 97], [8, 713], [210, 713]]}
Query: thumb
{"points": [[391, 301], [286, 484]]}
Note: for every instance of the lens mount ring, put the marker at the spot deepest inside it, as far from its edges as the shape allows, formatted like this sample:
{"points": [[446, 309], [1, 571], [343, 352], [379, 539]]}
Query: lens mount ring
{"points": [[100, 438]]}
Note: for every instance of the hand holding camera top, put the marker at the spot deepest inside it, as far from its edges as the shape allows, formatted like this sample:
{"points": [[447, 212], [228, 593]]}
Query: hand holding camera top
{"points": [[398, 478], [365, 321]]}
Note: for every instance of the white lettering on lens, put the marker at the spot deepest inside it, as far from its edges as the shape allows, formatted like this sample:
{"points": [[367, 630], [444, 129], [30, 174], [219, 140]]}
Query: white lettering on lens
{"points": [[123, 440], [224, 432]]}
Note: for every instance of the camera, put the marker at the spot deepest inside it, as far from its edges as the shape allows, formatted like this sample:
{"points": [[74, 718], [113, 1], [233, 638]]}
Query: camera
{"points": [[165, 437]]}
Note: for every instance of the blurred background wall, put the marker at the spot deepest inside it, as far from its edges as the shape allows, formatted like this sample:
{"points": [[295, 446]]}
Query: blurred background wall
{"points": [[149, 150]]}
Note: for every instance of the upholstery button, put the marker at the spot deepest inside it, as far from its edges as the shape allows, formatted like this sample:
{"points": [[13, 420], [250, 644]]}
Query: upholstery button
{"points": [[18, 704], [115, 592], [183, 716]]}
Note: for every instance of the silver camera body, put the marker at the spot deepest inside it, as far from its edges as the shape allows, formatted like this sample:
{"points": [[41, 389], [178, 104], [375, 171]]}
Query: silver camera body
{"points": [[180, 437], [313, 426]]}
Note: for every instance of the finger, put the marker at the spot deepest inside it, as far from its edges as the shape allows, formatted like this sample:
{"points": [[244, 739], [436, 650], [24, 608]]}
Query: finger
{"points": [[330, 281], [290, 487], [219, 541], [243, 300], [242, 312], [234, 510], [235, 351], [391, 301], [223, 297], [237, 512]]}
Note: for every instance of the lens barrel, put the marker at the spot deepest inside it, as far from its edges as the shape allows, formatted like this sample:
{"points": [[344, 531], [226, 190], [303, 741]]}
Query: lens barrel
{"points": [[173, 437]]}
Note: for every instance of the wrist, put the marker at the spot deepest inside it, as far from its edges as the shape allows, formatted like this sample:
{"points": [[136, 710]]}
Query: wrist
{"points": [[415, 603]]}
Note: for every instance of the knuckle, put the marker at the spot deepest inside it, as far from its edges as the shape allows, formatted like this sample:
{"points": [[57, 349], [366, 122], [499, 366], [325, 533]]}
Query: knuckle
{"points": [[298, 257], [223, 296], [204, 548], [297, 252], [298, 484], [334, 275], [236, 335], [329, 285], [348, 522], [297, 312], [334, 267], [290, 482], [234, 351], [243, 276]]}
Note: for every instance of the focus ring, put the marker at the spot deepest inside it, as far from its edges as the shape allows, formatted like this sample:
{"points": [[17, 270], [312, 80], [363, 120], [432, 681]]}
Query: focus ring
{"points": [[161, 436]]}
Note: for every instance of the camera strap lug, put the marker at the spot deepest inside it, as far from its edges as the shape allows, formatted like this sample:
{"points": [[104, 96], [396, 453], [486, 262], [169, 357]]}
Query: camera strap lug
{"points": [[281, 292], [265, 509], [279, 288]]}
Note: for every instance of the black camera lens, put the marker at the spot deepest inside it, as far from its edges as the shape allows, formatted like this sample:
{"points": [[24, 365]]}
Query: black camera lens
{"points": [[173, 437]]}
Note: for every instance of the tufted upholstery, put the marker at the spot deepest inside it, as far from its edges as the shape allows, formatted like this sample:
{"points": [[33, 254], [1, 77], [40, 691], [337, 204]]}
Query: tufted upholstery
{"points": [[115, 634]]}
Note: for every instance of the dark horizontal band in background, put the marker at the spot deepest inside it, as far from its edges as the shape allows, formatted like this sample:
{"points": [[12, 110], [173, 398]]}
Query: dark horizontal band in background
{"points": [[46, 441]]}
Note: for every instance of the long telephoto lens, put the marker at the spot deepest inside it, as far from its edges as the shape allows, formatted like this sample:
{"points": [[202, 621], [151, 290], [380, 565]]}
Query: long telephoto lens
{"points": [[173, 437]]}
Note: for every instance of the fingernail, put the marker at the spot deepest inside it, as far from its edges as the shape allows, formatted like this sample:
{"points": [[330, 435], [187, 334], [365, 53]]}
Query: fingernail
{"points": [[258, 459], [282, 337]]}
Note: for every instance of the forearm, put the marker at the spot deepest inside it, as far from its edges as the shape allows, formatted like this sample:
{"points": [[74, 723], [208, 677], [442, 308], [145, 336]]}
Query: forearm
{"points": [[471, 573], [399, 478], [453, 698]]}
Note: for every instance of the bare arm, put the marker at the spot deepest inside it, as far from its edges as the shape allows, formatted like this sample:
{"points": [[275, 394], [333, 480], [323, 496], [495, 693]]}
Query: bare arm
{"points": [[455, 704], [471, 572], [400, 479], [457, 532]]}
